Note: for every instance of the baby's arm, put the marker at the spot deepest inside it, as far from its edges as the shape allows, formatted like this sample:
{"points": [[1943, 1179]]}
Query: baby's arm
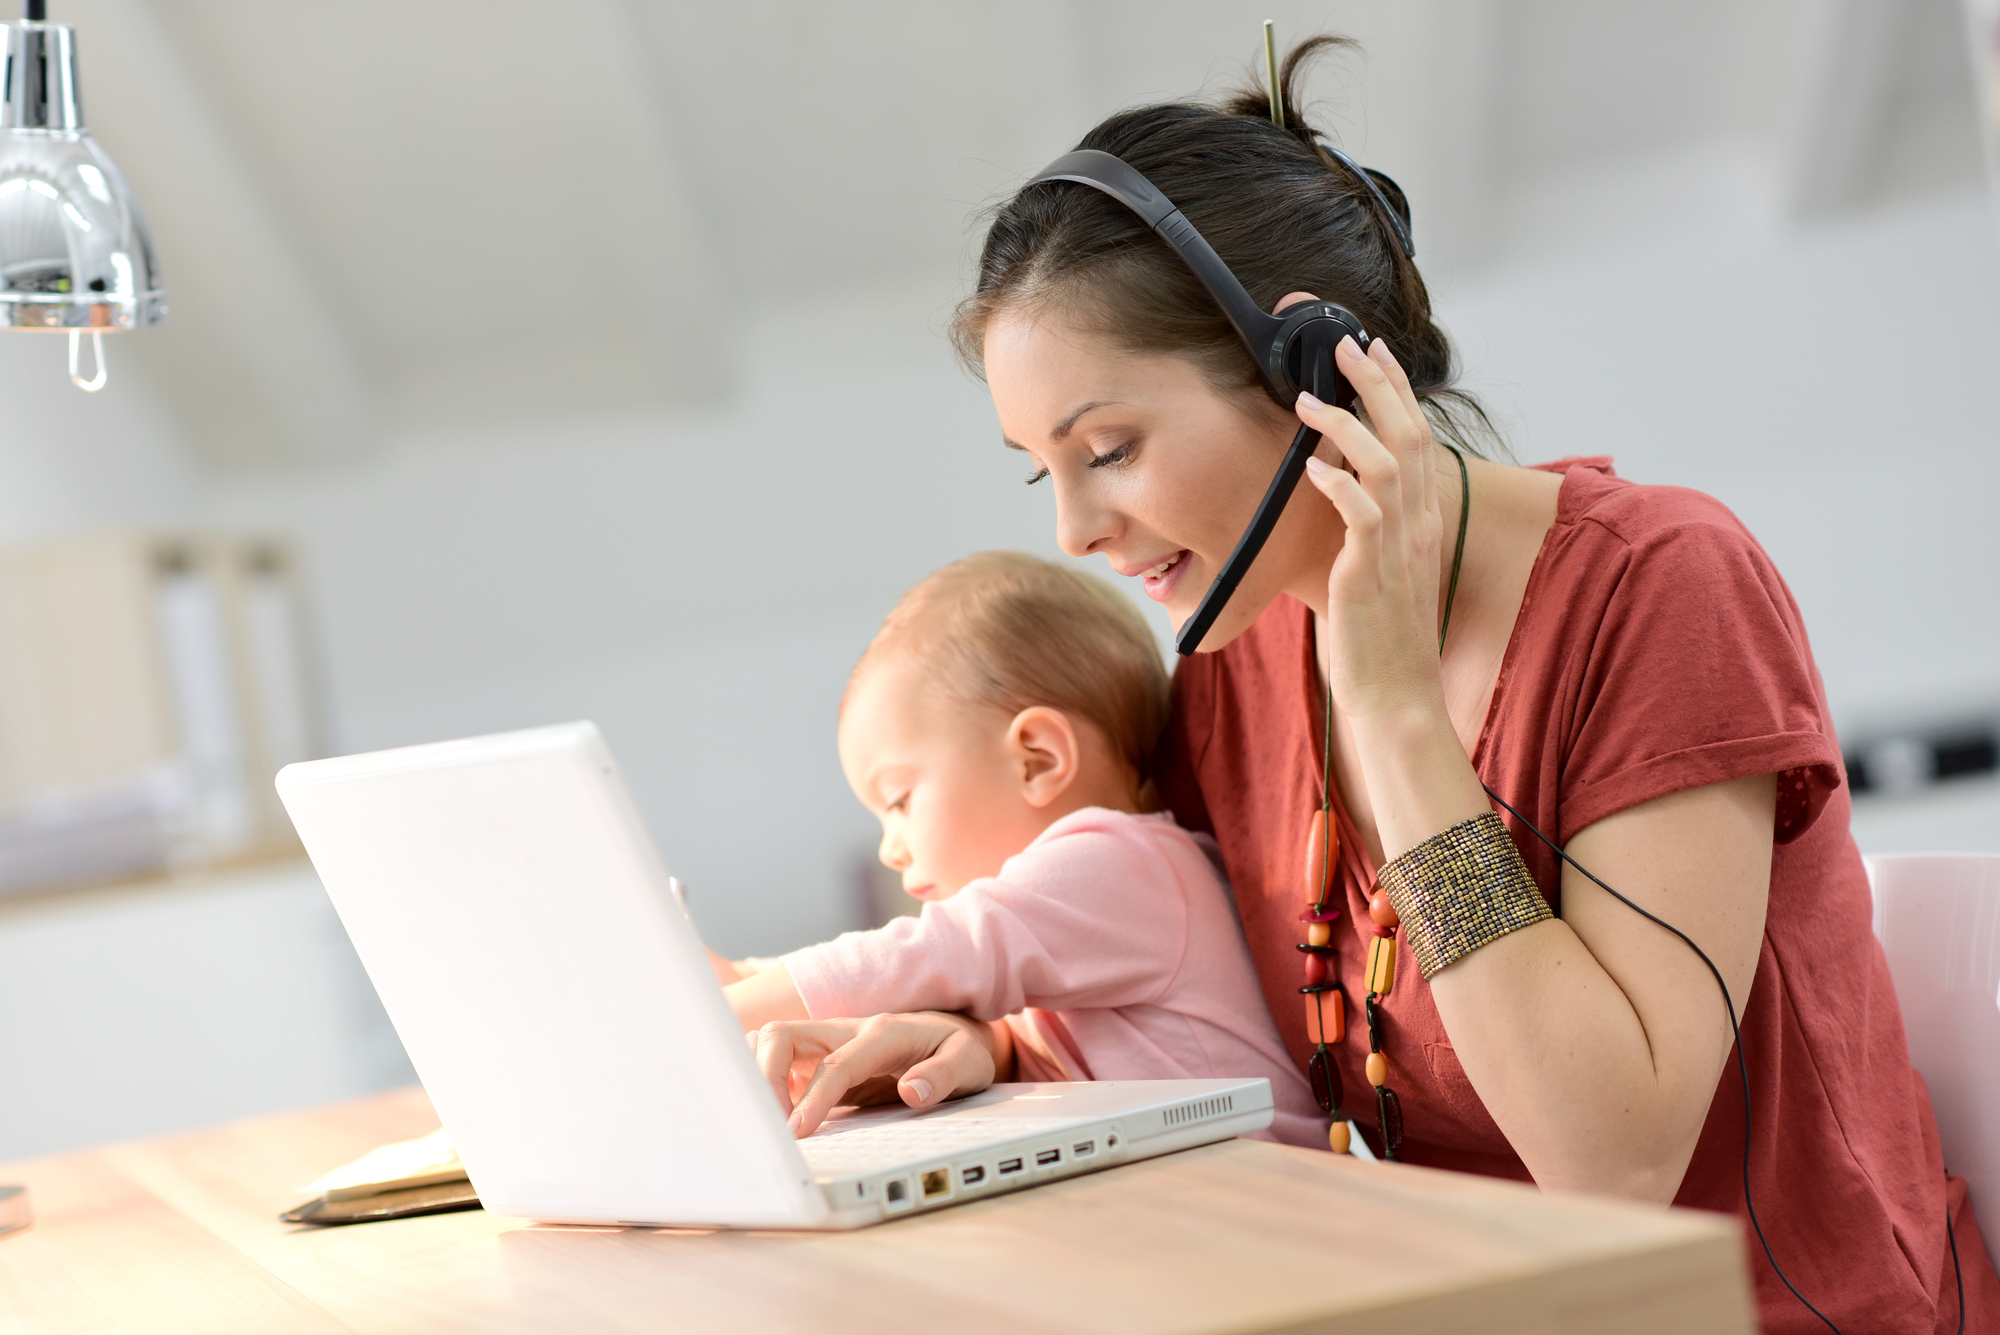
{"points": [[729, 971], [726, 971], [766, 995], [1095, 922]]}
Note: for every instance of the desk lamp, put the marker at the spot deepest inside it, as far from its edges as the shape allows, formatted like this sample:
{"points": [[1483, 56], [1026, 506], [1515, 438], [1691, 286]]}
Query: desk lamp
{"points": [[75, 253]]}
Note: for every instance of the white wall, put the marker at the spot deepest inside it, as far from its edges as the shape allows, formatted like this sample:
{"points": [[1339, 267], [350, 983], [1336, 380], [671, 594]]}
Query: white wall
{"points": [[71, 460], [131, 1011], [700, 585], [1832, 384]]}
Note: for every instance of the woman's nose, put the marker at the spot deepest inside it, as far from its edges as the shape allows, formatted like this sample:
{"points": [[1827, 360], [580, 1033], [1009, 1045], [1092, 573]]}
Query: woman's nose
{"points": [[1082, 525]]}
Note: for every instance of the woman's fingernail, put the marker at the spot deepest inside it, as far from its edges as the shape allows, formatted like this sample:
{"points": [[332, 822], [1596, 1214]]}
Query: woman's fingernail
{"points": [[1348, 345], [1309, 401], [1315, 464], [922, 1089], [793, 1120], [1379, 350]]}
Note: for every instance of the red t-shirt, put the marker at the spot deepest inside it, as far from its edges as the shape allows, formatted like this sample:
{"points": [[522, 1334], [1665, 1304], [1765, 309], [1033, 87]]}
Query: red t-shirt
{"points": [[1656, 650]]}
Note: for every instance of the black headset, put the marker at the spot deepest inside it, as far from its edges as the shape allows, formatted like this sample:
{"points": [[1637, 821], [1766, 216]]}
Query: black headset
{"points": [[1293, 349]]}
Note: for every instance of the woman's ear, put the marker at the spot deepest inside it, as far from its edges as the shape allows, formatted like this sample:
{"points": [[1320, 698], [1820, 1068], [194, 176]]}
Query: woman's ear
{"points": [[1043, 744]]}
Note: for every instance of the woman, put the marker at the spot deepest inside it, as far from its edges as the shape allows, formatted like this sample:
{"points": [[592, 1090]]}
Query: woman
{"points": [[1620, 664]]}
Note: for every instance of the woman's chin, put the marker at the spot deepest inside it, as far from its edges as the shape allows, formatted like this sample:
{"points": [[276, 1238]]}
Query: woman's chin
{"points": [[1237, 616]]}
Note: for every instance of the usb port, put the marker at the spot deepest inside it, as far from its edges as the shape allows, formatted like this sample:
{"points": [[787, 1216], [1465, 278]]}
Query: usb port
{"points": [[972, 1177], [1009, 1166], [1083, 1149], [1047, 1157]]}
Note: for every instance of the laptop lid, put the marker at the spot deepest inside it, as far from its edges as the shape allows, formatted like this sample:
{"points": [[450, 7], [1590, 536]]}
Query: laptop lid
{"points": [[510, 909]]}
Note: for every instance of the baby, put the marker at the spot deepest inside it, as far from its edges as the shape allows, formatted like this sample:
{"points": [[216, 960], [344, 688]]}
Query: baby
{"points": [[999, 726]]}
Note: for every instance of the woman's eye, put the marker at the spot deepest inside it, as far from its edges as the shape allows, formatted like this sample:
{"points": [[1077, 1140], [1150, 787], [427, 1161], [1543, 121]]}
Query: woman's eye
{"points": [[1037, 476], [1114, 458]]}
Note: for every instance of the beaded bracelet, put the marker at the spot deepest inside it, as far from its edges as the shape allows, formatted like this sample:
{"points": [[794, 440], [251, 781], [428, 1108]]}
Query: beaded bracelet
{"points": [[1461, 889]]}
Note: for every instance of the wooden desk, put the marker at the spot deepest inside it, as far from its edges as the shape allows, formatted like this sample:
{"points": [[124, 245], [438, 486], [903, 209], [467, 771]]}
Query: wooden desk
{"points": [[180, 1234]]}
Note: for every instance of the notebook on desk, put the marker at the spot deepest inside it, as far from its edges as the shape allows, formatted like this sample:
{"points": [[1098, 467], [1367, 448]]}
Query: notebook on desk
{"points": [[556, 1002]]}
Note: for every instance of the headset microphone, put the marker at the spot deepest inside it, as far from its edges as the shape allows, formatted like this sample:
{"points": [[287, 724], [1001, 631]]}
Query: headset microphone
{"points": [[1293, 349]]}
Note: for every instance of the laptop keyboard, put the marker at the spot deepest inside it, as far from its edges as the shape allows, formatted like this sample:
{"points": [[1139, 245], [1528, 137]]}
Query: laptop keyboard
{"points": [[835, 1153]]}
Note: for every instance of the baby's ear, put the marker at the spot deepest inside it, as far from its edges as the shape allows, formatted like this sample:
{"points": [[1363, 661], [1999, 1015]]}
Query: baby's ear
{"points": [[1043, 744]]}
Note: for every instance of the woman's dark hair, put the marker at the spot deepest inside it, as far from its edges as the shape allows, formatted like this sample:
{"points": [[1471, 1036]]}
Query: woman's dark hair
{"points": [[1283, 216]]}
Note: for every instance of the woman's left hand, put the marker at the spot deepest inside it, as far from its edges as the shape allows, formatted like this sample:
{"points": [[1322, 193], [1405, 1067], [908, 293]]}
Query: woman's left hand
{"points": [[1382, 595], [816, 1065]]}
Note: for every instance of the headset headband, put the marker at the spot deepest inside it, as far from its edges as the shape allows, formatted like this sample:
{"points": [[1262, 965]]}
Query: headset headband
{"points": [[1102, 171], [1399, 222]]}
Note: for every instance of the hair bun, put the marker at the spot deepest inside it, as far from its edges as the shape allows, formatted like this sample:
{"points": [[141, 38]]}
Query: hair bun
{"points": [[1253, 98]]}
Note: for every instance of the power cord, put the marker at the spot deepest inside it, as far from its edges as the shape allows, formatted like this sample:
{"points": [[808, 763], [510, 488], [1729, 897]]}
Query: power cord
{"points": [[1742, 1067]]}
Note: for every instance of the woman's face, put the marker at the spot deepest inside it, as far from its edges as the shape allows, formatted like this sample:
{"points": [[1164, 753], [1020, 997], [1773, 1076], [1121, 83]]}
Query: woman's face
{"points": [[1154, 469]]}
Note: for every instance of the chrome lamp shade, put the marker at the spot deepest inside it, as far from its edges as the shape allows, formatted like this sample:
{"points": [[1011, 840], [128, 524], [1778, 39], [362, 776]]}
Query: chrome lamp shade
{"points": [[75, 252]]}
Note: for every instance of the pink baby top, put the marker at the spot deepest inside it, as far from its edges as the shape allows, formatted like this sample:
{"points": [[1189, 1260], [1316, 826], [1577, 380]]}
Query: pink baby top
{"points": [[1111, 946]]}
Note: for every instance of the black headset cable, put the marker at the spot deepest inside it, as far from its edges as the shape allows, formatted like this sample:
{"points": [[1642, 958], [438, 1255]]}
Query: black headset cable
{"points": [[1736, 1034]]}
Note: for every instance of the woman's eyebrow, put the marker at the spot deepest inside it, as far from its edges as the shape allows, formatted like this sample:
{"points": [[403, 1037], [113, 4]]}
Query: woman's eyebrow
{"points": [[1062, 428]]}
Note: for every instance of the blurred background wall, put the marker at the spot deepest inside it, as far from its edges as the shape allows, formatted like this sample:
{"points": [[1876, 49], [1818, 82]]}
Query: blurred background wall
{"points": [[591, 359]]}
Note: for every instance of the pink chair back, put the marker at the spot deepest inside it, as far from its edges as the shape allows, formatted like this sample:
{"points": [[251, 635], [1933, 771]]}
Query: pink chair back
{"points": [[1938, 918]]}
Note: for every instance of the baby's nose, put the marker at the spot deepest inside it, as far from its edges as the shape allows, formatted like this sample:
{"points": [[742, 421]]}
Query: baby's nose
{"points": [[894, 856]]}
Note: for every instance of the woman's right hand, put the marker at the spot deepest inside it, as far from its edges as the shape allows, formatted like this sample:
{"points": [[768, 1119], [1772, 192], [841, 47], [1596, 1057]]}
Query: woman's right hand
{"points": [[814, 1066]]}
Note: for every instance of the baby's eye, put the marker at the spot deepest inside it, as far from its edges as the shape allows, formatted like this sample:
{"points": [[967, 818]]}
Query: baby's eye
{"points": [[900, 805]]}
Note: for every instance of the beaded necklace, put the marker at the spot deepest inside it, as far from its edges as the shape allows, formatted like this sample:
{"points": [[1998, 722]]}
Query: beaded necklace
{"points": [[1326, 1016]]}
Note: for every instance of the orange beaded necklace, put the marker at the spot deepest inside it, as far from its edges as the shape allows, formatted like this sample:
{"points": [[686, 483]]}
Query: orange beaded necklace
{"points": [[1326, 1015]]}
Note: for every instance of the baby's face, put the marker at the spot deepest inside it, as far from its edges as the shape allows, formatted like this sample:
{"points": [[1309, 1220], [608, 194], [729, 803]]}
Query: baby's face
{"points": [[939, 776]]}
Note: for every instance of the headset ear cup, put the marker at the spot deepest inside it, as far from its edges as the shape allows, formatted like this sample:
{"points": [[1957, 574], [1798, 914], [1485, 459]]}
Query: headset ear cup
{"points": [[1309, 363], [1311, 332]]}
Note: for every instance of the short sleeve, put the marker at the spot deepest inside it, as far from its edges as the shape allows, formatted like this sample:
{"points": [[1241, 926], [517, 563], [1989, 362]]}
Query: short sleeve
{"points": [[1697, 672]]}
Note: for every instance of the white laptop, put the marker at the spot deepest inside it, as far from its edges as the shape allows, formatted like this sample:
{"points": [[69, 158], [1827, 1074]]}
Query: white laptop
{"points": [[558, 1006]]}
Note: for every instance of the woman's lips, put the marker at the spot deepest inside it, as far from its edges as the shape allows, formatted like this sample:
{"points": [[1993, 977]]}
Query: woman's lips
{"points": [[1161, 581]]}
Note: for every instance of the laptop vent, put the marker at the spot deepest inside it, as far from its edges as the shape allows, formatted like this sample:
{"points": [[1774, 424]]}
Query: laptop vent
{"points": [[1200, 1110]]}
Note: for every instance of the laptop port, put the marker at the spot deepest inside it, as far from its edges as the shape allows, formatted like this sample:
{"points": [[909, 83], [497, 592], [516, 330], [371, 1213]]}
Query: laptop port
{"points": [[1083, 1149], [1044, 1158], [1008, 1166], [973, 1176], [896, 1193], [937, 1182]]}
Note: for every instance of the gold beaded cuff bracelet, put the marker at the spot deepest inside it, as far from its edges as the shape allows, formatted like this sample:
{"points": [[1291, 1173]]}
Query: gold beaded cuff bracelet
{"points": [[1461, 889]]}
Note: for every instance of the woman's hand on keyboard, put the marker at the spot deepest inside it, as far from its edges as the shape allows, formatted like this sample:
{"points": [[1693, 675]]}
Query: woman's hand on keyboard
{"points": [[815, 1066]]}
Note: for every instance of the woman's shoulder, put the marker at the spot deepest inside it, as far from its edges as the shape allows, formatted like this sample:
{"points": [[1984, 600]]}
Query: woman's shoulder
{"points": [[1596, 502], [1650, 565], [1650, 549], [1658, 648]]}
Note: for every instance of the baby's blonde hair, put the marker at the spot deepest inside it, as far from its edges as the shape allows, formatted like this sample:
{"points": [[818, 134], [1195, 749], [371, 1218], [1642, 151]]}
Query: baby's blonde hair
{"points": [[1009, 631]]}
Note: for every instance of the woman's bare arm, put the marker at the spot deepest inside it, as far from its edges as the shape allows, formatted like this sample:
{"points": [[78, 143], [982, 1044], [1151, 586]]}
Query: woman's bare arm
{"points": [[1596, 1040]]}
